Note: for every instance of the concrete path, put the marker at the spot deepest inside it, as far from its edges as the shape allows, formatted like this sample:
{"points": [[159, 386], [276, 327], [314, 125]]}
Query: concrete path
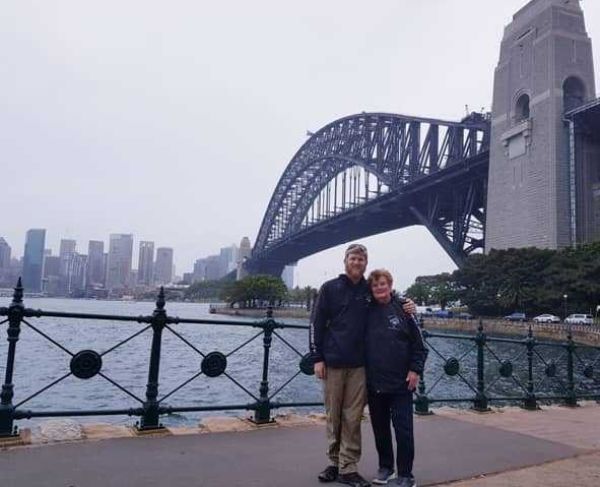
{"points": [[451, 446]]}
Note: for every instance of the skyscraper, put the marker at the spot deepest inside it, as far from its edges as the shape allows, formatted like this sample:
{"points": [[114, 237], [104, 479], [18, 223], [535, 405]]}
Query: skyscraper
{"points": [[4, 255], [33, 260], [4, 263], [77, 274], [95, 264], [66, 252], [120, 251], [146, 264], [163, 269], [244, 252]]}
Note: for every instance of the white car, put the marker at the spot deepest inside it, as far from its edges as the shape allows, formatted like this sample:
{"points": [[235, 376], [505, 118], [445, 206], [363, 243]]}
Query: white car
{"points": [[546, 318], [579, 319]]}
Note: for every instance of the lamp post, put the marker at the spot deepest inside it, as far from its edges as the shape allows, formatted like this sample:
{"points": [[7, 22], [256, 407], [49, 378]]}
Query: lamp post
{"points": [[565, 302]]}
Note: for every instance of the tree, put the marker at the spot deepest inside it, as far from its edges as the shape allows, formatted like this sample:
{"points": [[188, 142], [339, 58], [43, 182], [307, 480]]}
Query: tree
{"points": [[253, 291]]}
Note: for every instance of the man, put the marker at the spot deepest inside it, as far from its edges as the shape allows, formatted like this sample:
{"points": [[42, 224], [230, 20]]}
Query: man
{"points": [[337, 333]]}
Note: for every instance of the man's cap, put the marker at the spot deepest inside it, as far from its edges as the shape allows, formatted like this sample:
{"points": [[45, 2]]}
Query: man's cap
{"points": [[356, 249]]}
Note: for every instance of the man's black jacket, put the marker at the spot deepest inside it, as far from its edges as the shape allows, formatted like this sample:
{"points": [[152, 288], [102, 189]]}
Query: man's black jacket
{"points": [[337, 327], [394, 345]]}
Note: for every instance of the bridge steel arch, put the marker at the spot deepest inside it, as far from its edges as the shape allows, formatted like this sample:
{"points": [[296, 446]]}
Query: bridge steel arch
{"points": [[373, 172]]}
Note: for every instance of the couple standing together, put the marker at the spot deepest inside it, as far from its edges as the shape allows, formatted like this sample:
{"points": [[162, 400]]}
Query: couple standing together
{"points": [[366, 347]]}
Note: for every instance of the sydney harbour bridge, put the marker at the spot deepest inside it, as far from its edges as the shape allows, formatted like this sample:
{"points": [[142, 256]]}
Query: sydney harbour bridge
{"points": [[526, 174], [375, 172]]}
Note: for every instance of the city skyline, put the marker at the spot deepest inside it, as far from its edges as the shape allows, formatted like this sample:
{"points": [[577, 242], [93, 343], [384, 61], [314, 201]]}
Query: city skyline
{"points": [[133, 131]]}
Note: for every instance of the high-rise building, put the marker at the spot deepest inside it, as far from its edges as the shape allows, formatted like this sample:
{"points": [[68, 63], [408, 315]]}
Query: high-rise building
{"points": [[287, 276], [146, 264], [163, 269], [77, 271], [4, 263], [51, 266], [213, 267], [228, 257], [244, 252], [199, 273], [4, 254], [66, 252], [33, 260], [95, 264], [120, 251]]}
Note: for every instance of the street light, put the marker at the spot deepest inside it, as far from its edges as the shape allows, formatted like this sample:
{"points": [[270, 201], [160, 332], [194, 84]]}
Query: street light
{"points": [[565, 301]]}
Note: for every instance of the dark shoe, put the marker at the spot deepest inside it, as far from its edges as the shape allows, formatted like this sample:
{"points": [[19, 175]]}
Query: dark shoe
{"points": [[384, 475], [354, 479], [330, 474], [406, 482]]}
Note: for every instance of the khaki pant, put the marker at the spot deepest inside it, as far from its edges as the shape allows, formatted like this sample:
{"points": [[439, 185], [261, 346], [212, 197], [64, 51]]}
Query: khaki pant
{"points": [[345, 398]]}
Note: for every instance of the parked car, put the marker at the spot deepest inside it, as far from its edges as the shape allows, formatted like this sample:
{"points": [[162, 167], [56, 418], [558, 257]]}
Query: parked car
{"points": [[443, 313], [465, 316], [546, 318], [579, 319], [516, 316]]}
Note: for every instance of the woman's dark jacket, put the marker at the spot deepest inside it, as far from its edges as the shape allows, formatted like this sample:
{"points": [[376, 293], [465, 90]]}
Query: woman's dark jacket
{"points": [[394, 346]]}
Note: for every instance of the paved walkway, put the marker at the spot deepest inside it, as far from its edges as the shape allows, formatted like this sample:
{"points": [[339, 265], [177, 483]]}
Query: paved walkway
{"points": [[553, 447]]}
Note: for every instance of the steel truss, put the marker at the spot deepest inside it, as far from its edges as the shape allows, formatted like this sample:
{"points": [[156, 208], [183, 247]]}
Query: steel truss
{"points": [[351, 163]]}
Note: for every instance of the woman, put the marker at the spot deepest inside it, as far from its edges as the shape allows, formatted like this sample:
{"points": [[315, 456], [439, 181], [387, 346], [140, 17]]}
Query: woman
{"points": [[395, 359]]}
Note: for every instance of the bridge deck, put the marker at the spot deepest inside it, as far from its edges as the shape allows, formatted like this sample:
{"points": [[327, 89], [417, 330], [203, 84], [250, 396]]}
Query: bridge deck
{"points": [[450, 446]]}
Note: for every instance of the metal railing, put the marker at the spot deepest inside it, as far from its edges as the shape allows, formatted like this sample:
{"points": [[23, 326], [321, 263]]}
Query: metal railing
{"points": [[86, 364], [480, 366]]}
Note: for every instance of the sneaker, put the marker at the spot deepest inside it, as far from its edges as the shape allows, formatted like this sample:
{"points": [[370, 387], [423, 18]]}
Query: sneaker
{"points": [[406, 482], [383, 476], [330, 474], [354, 479]]}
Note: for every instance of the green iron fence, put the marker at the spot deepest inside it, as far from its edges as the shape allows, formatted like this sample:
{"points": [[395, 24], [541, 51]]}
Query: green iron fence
{"points": [[573, 374]]}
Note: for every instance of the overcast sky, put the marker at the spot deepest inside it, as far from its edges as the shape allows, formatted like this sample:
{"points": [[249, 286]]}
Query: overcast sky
{"points": [[174, 120]]}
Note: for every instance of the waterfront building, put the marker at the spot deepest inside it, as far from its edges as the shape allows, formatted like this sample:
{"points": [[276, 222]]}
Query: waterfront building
{"points": [[146, 264], [287, 276], [95, 264], [244, 253], [5, 251], [4, 254], [33, 260], [120, 252], [163, 268], [51, 266], [213, 267], [228, 257], [51, 280], [66, 251], [77, 270]]}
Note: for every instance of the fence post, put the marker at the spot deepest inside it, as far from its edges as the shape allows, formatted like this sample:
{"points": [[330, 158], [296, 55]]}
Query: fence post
{"points": [[150, 416], [15, 312], [571, 395], [481, 402], [262, 414], [422, 401], [530, 402]]}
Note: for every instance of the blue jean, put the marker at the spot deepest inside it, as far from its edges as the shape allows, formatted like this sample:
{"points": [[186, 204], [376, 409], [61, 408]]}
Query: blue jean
{"points": [[396, 409]]}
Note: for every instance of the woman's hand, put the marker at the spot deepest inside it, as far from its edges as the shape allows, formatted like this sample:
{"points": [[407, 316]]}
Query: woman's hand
{"points": [[409, 306], [413, 380]]}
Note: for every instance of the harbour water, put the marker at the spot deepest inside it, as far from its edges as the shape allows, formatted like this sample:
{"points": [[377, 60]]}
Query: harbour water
{"points": [[39, 362]]}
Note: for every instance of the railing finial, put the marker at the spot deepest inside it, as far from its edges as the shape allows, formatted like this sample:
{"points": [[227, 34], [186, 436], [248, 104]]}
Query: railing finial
{"points": [[18, 294], [160, 302]]}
